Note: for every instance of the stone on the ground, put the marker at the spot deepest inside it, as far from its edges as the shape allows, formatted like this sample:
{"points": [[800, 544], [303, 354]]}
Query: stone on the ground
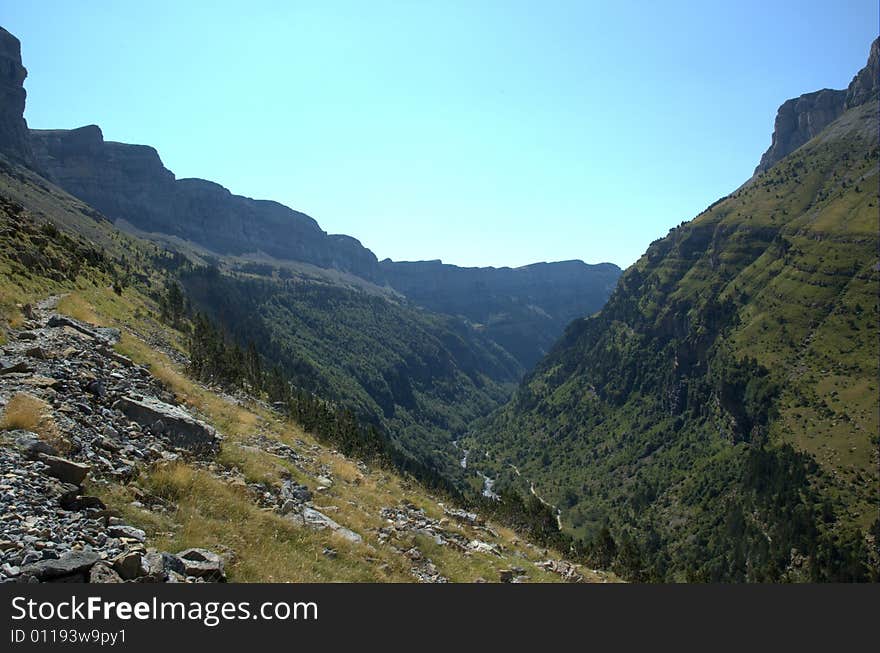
{"points": [[157, 566], [63, 469], [319, 521], [202, 563], [31, 445], [73, 562], [15, 367], [128, 565], [132, 533], [182, 429], [101, 572], [103, 334]]}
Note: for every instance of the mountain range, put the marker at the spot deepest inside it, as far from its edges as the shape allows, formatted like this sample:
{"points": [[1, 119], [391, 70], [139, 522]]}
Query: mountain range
{"points": [[709, 414], [423, 349]]}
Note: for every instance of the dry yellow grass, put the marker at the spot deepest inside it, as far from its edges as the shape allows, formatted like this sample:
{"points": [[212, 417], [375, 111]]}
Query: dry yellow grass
{"points": [[75, 305], [265, 547], [10, 314], [25, 411]]}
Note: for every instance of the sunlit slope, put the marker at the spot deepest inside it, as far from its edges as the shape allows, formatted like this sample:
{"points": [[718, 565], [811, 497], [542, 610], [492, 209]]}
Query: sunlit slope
{"points": [[751, 327]]}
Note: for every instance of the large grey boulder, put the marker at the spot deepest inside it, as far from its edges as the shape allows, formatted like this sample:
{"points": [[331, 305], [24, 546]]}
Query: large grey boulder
{"points": [[129, 532], [177, 424], [63, 469], [128, 564], [319, 521], [102, 334], [74, 562], [157, 566]]}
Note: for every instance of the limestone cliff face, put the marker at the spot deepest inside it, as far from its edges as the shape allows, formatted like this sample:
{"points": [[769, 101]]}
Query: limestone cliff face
{"points": [[523, 309], [121, 181], [800, 119], [13, 128], [865, 86], [129, 182]]}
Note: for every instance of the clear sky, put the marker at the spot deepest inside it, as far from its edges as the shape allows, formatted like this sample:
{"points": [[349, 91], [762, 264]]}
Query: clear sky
{"points": [[482, 133]]}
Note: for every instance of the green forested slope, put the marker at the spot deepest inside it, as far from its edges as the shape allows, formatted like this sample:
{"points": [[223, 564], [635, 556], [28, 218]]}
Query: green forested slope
{"points": [[720, 413], [424, 377]]}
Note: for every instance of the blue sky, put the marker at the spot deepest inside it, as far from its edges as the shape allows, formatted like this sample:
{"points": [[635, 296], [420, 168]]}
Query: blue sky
{"points": [[482, 133]]}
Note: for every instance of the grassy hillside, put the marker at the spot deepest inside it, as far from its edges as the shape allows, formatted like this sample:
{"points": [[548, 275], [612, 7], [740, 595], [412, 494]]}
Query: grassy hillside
{"points": [[51, 243], [721, 411]]}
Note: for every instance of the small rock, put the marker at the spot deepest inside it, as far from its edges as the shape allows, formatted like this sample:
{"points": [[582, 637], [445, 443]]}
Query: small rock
{"points": [[101, 572], [202, 563], [97, 388], [31, 445], [288, 507], [128, 565], [65, 470], [127, 531], [19, 367], [36, 352], [10, 570]]}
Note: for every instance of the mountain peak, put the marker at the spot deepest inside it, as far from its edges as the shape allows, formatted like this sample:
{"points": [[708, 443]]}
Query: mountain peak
{"points": [[864, 86], [800, 119]]}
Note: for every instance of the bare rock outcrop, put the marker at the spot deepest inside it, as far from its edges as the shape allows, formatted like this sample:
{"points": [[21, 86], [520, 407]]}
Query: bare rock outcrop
{"points": [[131, 186], [14, 137], [800, 119], [164, 419]]}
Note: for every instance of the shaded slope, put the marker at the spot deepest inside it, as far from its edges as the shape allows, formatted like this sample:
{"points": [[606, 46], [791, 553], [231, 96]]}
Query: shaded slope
{"points": [[523, 309], [129, 183]]}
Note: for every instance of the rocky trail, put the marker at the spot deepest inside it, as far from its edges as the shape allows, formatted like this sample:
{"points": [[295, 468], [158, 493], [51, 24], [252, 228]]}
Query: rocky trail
{"points": [[106, 416], [103, 418]]}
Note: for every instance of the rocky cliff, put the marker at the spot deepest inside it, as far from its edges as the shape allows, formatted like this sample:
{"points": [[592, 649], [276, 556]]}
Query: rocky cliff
{"points": [[523, 309], [13, 128], [800, 119], [864, 86], [130, 183]]}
